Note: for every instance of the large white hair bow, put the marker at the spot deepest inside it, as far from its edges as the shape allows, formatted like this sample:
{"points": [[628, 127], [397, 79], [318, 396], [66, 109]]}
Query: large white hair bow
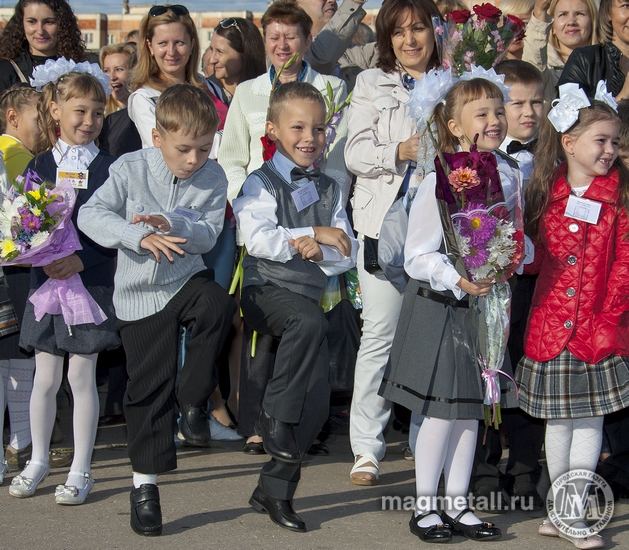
{"points": [[491, 75], [572, 98], [52, 71], [427, 93]]}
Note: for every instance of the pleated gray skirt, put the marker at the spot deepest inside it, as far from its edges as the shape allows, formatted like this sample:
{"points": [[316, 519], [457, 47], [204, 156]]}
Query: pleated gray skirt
{"points": [[433, 367]]}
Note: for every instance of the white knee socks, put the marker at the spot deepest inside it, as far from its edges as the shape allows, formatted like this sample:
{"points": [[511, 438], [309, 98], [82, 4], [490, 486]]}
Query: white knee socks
{"points": [[82, 378], [444, 444]]}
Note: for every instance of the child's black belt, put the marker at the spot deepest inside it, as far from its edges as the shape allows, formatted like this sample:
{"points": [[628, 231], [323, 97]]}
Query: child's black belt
{"points": [[436, 297]]}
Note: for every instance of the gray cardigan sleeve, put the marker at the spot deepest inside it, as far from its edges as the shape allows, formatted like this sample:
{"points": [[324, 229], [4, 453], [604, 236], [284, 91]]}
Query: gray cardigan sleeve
{"points": [[330, 44]]}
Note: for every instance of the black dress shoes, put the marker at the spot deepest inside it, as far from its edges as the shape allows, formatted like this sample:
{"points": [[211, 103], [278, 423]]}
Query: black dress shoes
{"points": [[527, 498], [478, 531], [112, 420], [278, 439], [280, 511], [146, 512], [253, 448], [317, 449], [433, 533], [194, 427]]}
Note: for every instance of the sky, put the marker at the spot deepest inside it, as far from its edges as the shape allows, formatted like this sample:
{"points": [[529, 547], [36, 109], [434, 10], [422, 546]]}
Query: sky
{"points": [[115, 6]]}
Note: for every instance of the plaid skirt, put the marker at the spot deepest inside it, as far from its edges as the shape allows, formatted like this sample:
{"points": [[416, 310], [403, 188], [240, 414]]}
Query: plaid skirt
{"points": [[566, 387]]}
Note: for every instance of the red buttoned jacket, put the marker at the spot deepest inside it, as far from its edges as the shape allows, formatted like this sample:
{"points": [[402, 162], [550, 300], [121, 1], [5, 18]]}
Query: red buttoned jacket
{"points": [[581, 298]]}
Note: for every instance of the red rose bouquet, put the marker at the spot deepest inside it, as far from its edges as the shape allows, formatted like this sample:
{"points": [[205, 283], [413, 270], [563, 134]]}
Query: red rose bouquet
{"points": [[480, 38]]}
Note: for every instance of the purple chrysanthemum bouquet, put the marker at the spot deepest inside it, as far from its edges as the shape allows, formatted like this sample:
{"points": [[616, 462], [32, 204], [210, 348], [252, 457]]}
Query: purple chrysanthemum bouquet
{"points": [[485, 241], [36, 229]]}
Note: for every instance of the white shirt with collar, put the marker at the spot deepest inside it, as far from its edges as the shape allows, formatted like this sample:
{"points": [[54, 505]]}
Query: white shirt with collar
{"points": [[255, 211], [74, 157], [525, 161]]}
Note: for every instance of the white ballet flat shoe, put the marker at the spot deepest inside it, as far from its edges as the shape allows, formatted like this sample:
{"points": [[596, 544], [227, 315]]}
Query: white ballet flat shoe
{"points": [[69, 495], [548, 529], [24, 487]]}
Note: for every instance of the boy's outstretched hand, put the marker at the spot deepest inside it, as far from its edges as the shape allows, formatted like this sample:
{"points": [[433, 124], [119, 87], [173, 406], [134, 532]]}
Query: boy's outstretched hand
{"points": [[162, 244], [308, 248], [160, 222], [333, 236]]}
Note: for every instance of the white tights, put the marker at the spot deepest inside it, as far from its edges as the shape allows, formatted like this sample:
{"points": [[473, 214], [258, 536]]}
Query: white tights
{"points": [[82, 378], [17, 385], [448, 446], [572, 444]]}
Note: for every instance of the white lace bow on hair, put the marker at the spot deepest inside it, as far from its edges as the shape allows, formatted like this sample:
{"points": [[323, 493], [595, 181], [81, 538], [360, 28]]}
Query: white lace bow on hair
{"points": [[52, 71]]}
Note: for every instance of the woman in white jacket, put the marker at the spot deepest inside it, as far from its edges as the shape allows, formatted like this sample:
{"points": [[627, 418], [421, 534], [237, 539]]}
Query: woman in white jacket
{"points": [[381, 150], [286, 29]]}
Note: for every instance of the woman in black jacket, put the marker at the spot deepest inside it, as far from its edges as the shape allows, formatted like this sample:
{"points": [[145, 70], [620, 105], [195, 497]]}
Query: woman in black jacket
{"points": [[39, 30], [609, 61]]}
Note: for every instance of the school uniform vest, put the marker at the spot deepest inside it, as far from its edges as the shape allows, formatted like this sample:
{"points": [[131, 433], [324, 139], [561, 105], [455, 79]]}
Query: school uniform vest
{"points": [[297, 275]]}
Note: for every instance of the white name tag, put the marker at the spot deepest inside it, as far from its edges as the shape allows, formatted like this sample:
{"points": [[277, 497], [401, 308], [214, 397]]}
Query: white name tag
{"points": [[77, 179], [189, 213], [305, 196], [583, 209]]}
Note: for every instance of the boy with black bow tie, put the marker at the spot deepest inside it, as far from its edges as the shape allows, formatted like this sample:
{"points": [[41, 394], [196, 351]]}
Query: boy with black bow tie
{"points": [[297, 234]]}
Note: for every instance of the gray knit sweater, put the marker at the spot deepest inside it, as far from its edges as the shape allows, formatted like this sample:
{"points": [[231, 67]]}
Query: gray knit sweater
{"points": [[140, 183]]}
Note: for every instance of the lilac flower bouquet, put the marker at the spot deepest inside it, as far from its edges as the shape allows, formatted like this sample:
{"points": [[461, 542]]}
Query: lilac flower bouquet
{"points": [[36, 229]]}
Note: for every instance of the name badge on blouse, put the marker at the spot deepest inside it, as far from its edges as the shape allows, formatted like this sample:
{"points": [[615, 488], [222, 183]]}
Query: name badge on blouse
{"points": [[77, 179], [583, 209], [305, 196], [189, 213]]}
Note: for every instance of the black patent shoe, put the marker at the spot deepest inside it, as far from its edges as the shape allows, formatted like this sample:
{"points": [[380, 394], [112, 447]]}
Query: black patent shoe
{"points": [[278, 439], [253, 448], [432, 533], [478, 531], [281, 512], [146, 511], [194, 426]]}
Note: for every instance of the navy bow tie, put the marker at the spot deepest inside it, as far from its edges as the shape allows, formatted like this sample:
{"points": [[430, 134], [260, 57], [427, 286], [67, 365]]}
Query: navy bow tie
{"points": [[297, 174], [517, 146]]}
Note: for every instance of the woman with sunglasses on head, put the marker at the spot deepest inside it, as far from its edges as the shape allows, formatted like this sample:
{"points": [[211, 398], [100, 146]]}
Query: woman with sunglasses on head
{"points": [[119, 134], [39, 30], [168, 54]]}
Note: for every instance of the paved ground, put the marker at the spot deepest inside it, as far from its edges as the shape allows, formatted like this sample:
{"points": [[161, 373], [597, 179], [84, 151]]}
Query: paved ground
{"points": [[204, 505]]}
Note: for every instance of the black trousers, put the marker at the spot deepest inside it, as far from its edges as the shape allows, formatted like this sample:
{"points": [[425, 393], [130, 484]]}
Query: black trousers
{"points": [[616, 468], [151, 343], [525, 433], [301, 326], [299, 391]]}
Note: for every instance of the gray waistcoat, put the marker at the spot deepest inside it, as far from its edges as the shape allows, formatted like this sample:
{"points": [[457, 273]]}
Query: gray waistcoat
{"points": [[298, 275]]}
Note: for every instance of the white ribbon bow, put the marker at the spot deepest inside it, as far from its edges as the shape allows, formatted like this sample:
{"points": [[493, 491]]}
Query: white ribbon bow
{"points": [[492, 76], [603, 95], [52, 71], [565, 111], [429, 90]]}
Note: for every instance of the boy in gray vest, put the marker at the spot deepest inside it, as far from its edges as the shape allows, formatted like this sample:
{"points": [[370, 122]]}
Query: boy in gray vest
{"points": [[162, 208], [297, 234]]}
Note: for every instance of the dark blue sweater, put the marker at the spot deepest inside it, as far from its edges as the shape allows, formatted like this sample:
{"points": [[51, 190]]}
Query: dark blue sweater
{"points": [[99, 262]]}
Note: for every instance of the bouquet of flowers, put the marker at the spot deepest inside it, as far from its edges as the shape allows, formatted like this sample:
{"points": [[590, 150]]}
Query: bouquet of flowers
{"points": [[485, 240], [36, 229], [480, 38]]}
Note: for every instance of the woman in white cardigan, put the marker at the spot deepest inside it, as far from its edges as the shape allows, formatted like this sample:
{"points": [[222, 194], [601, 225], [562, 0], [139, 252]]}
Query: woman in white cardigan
{"points": [[286, 29], [381, 147], [555, 29]]}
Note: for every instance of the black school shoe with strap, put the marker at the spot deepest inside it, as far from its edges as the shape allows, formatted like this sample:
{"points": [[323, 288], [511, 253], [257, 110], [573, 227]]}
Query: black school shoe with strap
{"points": [[433, 533], [146, 511], [483, 531]]}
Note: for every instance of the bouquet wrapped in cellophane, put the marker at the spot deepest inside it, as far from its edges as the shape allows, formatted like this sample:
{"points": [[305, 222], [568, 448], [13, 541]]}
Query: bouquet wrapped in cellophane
{"points": [[479, 38], [484, 237], [36, 229]]}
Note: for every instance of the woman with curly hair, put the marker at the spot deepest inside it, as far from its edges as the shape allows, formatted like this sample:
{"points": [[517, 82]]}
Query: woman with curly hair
{"points": [[39, 30]]}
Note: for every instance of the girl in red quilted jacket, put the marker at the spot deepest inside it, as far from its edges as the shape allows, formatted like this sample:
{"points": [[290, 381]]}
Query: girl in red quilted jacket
{"points": [[576, 364]]}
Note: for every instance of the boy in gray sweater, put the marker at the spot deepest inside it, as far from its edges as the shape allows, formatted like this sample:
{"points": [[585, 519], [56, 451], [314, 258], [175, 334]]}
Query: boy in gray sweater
{"points": [[162, 208]]}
